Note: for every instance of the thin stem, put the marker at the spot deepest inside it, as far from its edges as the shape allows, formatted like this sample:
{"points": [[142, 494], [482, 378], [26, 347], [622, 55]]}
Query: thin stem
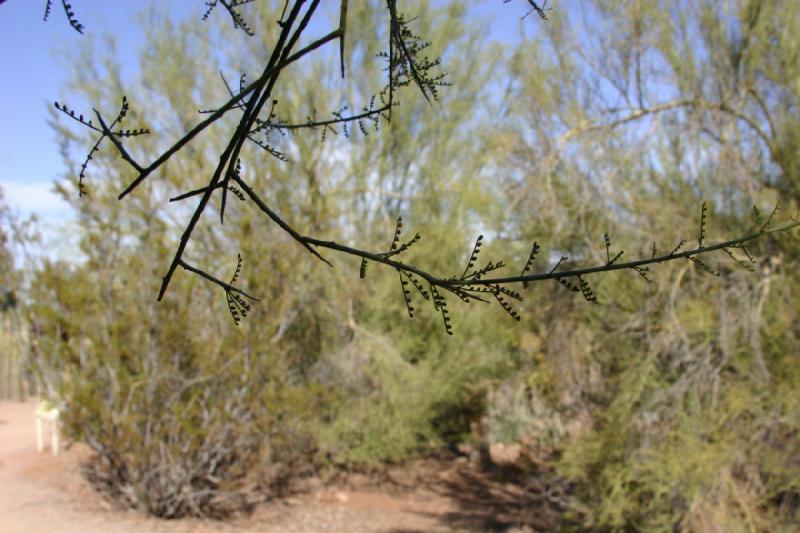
{"points": [[263, 86], [123, 152], [227, 286], [144, 173], [230, 104], [447, 283], [305, 241], [733, 243], [331, 122]]}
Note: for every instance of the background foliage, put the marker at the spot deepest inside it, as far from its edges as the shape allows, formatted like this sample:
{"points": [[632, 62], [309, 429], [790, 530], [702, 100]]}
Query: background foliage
{"points": [[672, 404]]}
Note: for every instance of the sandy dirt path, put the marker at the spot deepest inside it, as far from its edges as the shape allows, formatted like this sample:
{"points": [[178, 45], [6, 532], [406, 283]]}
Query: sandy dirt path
{"points": [[43, 493]]}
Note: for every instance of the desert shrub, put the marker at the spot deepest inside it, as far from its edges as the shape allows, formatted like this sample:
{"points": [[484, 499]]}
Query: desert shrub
{"points": [[672, 405], [403, 399], [171, 423], [692, 436]]}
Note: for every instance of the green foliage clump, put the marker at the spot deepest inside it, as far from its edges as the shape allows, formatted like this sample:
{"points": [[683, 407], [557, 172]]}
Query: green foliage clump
{"points": [[172, 426]]}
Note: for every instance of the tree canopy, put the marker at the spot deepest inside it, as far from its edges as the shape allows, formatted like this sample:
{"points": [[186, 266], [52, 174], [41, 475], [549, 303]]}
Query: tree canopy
{"points": [[407, 62]]}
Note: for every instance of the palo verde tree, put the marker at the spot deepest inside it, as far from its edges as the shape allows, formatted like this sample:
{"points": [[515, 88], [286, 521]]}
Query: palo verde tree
{"points": [[408, 63]]}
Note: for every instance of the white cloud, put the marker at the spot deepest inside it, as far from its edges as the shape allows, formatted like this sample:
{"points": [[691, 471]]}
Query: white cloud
{"points": [[38, 198], [56, 219]]}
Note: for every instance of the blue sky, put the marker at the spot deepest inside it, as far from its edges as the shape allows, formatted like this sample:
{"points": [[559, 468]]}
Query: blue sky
{"points": [[33, 78]]}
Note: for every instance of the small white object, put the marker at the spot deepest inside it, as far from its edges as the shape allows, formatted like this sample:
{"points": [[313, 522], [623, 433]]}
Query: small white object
{"points": [[47, 413]]}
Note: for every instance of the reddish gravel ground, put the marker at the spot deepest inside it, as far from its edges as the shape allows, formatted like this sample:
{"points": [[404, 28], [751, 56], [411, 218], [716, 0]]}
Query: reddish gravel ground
{"points": [[43, 493]]}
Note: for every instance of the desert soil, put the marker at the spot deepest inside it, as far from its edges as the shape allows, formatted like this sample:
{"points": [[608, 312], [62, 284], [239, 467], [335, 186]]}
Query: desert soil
{"points": [[40, 492]]}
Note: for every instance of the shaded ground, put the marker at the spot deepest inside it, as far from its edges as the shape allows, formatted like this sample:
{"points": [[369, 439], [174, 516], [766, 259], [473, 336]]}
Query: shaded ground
{"points": [[40, 492]]}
